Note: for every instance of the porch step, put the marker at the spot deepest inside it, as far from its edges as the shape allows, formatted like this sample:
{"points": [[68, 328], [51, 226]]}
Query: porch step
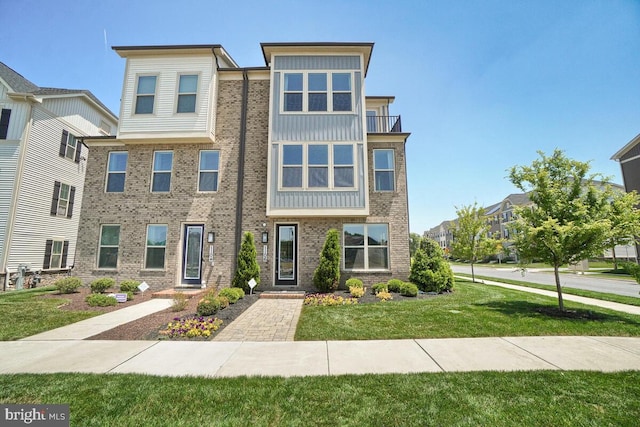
{"points": [[283, 294], [171, 293]]}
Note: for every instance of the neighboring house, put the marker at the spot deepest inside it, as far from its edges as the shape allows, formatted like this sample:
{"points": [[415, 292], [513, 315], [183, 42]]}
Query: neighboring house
{"points": [[629, 159], [42, 167], [207, 150], [442, 234]]}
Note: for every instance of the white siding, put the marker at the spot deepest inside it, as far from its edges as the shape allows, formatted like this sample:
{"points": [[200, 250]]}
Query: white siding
{"points": [[9, 153], [18, 119], [42, 167], [3, 91], [78, 112], [165, 119]]}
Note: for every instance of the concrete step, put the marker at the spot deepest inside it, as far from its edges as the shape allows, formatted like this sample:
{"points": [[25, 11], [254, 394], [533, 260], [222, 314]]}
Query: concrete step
{"points": [[283, 294]]}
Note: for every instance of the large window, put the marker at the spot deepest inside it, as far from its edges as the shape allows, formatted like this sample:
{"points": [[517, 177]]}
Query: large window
{"points": [[208, 170], [317, 166], [317, 92], [384, 170], [162, 166], [145, 94], [116, 171], [109, 242], [366, 246], [187, 90], [62, 199], [156, 246]]}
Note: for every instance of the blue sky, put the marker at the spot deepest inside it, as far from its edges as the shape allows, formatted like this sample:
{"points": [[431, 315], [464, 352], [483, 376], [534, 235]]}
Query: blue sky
{"points": [[481, 85]]}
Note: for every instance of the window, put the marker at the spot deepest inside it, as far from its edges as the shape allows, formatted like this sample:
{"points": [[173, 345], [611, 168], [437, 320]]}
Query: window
{"points": [[55, 254], [208, 172], [62, 199], [4, 123], [116, 171], [109, 242], [317, 92], [145, 94], [162, 165], [372, 121], [384, 170], [187, 90], [317, 166], [366, 246], [155, 246], [69, 147]]}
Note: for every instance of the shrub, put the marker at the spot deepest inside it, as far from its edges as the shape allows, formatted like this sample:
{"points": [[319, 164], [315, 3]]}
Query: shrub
{"points": [[192, 327], [354, 283], [129, 296], [327, 276], [208, 305], [394, 285], [632, 270], [379, 287], [408, 289], [328, 299], [247, 267], [68, 285], [100, 285], [356, 292], [384, 296], [231, 294], [129, 286], [100, 300], [430, 271], [180, 301]]}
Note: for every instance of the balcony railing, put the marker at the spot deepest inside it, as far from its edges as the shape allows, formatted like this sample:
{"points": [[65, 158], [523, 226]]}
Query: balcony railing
{"points": [[384, 124]]}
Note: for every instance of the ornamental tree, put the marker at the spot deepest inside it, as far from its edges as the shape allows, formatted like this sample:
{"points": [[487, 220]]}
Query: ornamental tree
{"points": [[247, 267], [327, 276]]}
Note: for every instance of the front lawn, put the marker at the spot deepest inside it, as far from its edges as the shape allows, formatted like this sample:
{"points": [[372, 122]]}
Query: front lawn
{"points": [[23, 313], [543, 398], [472, 310]]}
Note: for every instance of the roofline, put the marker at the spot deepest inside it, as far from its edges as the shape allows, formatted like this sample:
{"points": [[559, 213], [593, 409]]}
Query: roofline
{"points": [[124, 50], [618, 155], [104, 108]]}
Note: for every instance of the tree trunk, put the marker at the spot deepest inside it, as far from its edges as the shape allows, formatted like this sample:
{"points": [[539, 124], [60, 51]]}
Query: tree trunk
{"points": [[556, 271], [615, 260], [473, 277]]}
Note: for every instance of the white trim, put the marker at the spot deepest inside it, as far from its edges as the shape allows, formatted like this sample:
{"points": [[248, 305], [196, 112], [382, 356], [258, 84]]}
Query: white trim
{"points": [[146, 247], [198, 75], [375, 189], [100, 246], [217, 171], [136, 94], [365, 247], [305, 91], [153, 171], [106, 180]]}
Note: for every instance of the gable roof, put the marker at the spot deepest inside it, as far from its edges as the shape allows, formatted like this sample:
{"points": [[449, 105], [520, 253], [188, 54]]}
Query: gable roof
{"points": [[620, 154], [15, 81]]}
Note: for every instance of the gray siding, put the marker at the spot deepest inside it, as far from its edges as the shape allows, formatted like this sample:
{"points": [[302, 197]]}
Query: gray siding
{"points": [[317, 199], [9, 153], [316, 62]]}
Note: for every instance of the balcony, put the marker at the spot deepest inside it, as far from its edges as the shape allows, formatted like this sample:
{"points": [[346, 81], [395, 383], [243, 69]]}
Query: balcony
{"points": [[384, 124]]}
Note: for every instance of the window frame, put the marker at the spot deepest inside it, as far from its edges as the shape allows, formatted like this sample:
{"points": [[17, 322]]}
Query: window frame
{"points": [[101, 246], [331, 166], [154, 171], [57, 198], [377, 169], [306, 91], [194, 93], [164, 247], [366, 247], [109, 172], [137, 95], [201, 171]]}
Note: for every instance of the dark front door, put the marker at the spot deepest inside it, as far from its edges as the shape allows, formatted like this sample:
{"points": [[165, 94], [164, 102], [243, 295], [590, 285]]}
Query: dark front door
{"points": [[192, 254], [286, 255]]}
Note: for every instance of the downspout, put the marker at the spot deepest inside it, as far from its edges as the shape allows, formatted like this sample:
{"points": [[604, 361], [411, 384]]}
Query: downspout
{"points": [[241, 155]]}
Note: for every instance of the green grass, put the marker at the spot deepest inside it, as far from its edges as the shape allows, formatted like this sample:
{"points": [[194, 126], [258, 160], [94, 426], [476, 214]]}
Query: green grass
{"points": [[547, 398], [473, 310], [572, 291], [24, 314]]}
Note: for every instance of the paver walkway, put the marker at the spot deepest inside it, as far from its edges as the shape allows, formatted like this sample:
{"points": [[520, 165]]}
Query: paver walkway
{"points": [[265, 320]]}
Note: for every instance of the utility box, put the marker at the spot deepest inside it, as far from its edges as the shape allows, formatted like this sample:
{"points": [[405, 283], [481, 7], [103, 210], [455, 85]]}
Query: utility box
{"points": [[20, 276]]}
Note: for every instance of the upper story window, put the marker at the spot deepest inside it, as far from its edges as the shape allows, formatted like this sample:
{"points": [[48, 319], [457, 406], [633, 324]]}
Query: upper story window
{"points": [[62, 199], [4, 123], [208, 170], [187, 91], [145, 94], [384, 170], [161, 175], [116, 171], [70, 147], [317, 92], [317, 166]]}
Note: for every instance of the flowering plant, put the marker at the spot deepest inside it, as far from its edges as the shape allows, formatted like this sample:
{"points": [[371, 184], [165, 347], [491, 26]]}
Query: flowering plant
{"points": [[328, 299], [384, 296], [191, 327]]}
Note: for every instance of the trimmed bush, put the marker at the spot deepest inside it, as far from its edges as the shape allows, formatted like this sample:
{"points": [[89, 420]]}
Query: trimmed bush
{"points": [[430, 271], [231, 294], [394, 285], [379, 287], [129, 286], [100, 300], [100, 285], [129, 296], [209, 306], [68, 285], [408, 289], [354, 283], [247, 267], [326, 277]]}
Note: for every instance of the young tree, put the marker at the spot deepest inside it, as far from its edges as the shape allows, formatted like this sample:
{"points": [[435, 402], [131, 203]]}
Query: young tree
{"points": [[247, 267], [568, 220], [327, 276], [625, 221], [414, 243], [470, 240]]}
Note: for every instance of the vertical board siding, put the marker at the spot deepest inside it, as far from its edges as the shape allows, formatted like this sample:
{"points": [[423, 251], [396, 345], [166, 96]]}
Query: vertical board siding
{"points": [[9, 153], [165, 118], [79, 113], [316, 62], [18, 119]]}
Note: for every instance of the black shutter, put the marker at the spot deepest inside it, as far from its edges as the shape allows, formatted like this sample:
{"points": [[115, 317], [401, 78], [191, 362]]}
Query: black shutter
{"points": [[72, 195], [4, 123], [47, 255], [78, 150], [54, 199], [65, 250], [63, 143]]}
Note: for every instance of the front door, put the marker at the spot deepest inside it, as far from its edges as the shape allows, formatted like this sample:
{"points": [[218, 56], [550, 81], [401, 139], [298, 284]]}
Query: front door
{"points": [[192, 254], [286, 255]]}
